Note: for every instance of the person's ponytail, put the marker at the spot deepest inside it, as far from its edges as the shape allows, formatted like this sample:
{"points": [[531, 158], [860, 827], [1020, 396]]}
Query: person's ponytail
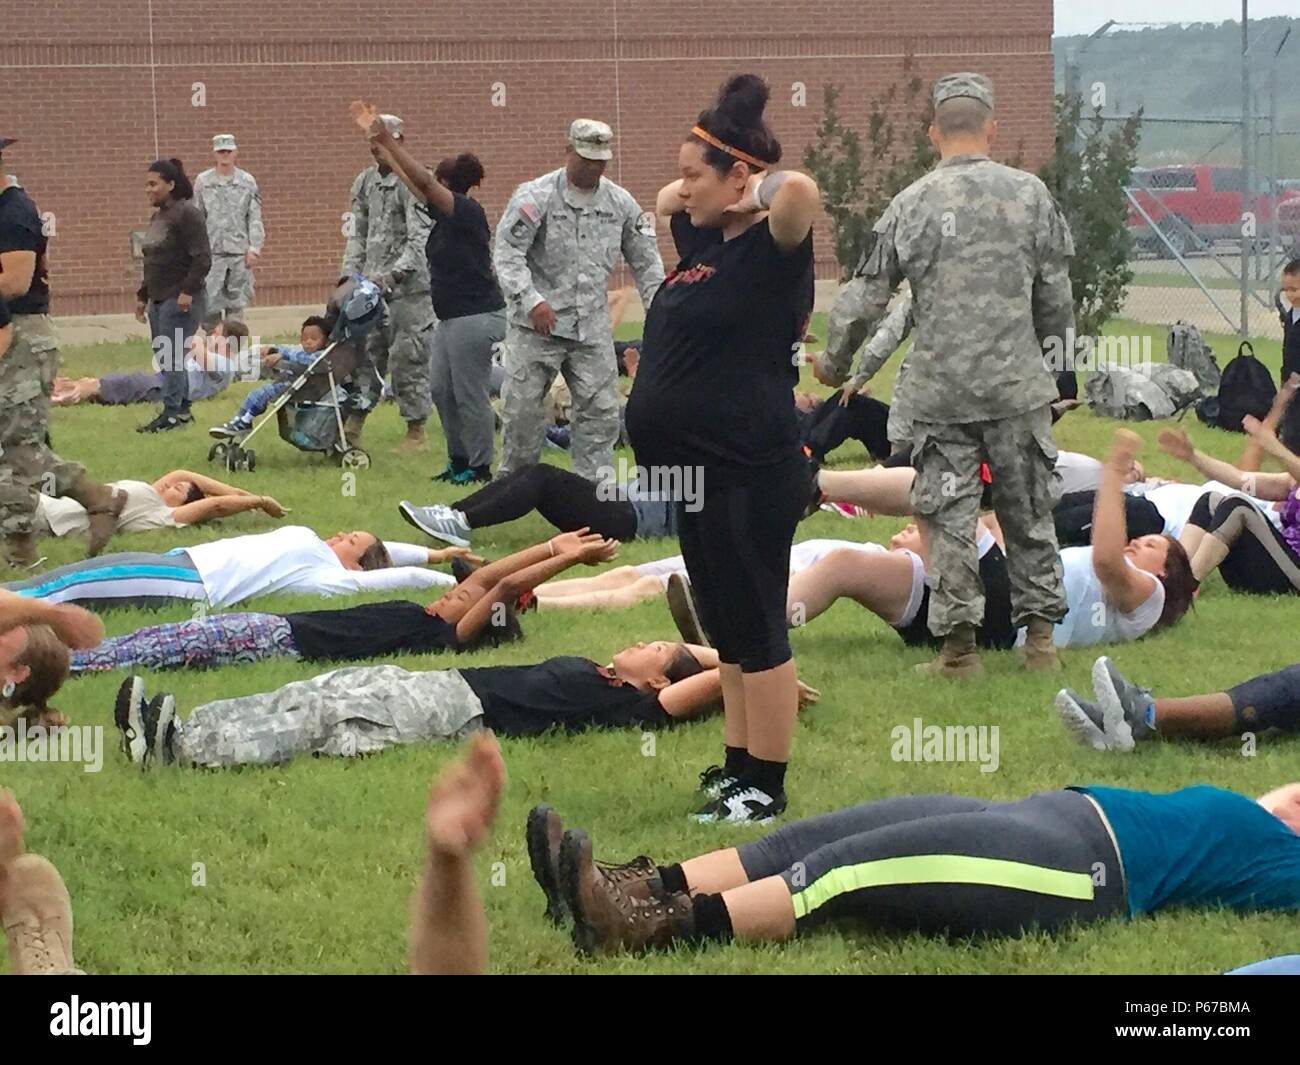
{"points": [[173, 170]]}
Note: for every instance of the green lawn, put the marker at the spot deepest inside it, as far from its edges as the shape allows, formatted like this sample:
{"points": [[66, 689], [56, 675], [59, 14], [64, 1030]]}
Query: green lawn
{"points": [[309, 867]]}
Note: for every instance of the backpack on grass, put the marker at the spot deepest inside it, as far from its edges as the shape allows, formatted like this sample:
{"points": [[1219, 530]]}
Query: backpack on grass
{"points": [[1246, 388]]}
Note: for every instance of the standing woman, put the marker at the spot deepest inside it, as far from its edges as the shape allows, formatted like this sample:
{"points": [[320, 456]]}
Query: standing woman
{"points": [[466, 299], [176, 262], [713, 392]]}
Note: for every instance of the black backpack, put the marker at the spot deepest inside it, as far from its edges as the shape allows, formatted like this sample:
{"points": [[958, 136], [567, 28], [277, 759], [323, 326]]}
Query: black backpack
{"points": [[1245, 388]]}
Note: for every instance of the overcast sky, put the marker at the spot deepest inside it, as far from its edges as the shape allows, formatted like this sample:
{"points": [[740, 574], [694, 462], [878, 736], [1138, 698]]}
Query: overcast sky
{"points": [[1084, 18]]}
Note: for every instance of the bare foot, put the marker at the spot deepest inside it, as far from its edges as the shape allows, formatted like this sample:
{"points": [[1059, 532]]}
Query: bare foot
{"points": [[464, 800]]}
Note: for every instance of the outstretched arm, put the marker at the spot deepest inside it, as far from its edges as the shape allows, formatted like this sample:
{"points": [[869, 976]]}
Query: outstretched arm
{"points": [[1126, 587], [1272, 486]]}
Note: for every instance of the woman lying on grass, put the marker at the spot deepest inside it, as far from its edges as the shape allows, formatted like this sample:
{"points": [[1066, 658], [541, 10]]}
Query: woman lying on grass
{"points": [[34, 642], [939, 864], [363, 709], [481, 606]]}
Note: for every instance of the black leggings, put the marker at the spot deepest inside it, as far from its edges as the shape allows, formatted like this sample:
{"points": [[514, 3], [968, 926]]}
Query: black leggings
{"points": [[736, 547], [1269, 701], [1073, 517], [1259, 559], [564, 499], [996, 630], [946, 864], [864, 419]]}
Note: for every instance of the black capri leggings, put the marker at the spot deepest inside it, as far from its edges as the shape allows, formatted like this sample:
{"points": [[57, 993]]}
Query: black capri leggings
{"points": [[1073, 517], [563, 498], [946, 864], [1259, 559], [1268, 701], [736, 547]]}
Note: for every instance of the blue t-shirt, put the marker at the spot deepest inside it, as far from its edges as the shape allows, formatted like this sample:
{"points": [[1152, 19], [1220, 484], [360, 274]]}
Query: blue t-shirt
{"points": [[1201, 846]]}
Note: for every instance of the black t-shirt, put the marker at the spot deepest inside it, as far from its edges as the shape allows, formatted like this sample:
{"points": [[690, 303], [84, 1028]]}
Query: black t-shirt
{"points": [[370, 631], [21, 230], [714, 385], [459, 251], [567, 693]]}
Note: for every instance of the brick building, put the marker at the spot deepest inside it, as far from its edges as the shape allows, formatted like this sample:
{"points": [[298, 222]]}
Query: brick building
{"points": [[94, 90]]}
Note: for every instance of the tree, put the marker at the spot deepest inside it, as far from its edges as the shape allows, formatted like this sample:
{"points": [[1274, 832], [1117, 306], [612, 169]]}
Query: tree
{"points": [[1088, 173]]}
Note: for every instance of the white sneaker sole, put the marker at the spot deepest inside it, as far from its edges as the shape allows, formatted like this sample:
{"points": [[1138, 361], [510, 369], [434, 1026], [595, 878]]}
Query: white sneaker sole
{"points": [[1077, 723], [1119, 734]]}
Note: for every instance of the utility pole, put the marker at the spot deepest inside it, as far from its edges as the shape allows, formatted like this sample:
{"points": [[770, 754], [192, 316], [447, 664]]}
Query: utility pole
{"points": [[1247, 128]]}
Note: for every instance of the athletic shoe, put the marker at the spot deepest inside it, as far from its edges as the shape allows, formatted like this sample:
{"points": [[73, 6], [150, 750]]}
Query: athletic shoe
{"points": [[742, 804], [471, 475], [159, 725], [607, 918], [681, 604], [448, 472], [165, 423], [438, 521], [559, 437], [715, 780], [37, 919], [128, 714], [1082, 718], [1124, 704], [816, 497], [542, 834], [842, 510], [231, 430]]}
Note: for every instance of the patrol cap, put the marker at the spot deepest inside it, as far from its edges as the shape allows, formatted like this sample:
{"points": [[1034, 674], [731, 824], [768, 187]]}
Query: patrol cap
{"points": [[393, 123], [223, 142], [591, 139], [975, 86]]}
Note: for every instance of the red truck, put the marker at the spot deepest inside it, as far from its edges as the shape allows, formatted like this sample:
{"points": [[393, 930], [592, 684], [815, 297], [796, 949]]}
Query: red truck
{"points": [[1195, 205]]}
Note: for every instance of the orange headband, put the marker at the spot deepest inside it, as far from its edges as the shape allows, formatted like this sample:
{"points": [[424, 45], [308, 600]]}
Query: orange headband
{"points": [[744, 157]]}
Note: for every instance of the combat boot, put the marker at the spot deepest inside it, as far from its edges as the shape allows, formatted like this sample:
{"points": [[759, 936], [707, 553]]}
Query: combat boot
{"points": [[38, 919], [20, 550], [1040, 650], [414, 440], [352, 426], [958, 658], [103, 507]]}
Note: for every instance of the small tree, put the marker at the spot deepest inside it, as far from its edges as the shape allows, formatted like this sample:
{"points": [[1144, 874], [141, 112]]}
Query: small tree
{"points": [[1087, 173]]}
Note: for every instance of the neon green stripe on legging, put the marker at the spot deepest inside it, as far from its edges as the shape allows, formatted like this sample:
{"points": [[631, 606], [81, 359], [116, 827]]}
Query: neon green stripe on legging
{"points": [[941, 869]]}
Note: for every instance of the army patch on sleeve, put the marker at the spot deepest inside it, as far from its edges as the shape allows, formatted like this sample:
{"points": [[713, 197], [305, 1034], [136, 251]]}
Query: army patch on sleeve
{"points": [[645, 224]]}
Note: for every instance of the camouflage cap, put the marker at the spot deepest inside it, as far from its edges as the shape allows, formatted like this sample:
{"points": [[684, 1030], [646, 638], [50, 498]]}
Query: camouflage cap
{"points": [[223, 142], [394, 124], [591, 139], [976, 86]]}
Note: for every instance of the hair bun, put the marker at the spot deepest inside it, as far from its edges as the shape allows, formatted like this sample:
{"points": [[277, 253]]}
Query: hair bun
{"points": [[743, 99], [177, 164]]}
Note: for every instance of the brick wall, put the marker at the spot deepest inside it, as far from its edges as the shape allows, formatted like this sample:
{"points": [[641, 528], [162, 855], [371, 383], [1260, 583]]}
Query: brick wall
{"points": [[95, 91]]}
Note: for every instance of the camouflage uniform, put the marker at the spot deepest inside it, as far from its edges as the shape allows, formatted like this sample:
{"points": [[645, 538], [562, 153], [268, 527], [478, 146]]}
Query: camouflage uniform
{"points": [[345, 712], [841, 331], [987, 253], [232, 207], [558, 244], [388, 230]]}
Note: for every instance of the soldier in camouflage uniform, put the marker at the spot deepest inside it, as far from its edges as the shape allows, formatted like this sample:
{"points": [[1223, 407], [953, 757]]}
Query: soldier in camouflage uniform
{"points": [[27, 370], [987, 253], [387, 231], [842, 339], [556, 245], [231, 205]]}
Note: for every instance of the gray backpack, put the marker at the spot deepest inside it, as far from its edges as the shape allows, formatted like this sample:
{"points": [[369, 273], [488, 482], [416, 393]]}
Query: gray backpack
{"points": [[1185, 349], [1147, 394]]}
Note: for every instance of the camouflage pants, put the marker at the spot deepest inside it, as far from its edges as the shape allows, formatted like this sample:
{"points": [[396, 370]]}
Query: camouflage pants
{"points": [[229, 288], [591, 372], [398, 344], [1021, 455], [346, 712], [27, 465]]}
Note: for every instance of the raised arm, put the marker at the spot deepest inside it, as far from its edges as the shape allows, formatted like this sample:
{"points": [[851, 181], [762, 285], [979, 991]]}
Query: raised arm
{"points": [[208, 485], [213, 508], [669, 200], [76, 627], [1267, 439], [1126, 587], [1273, 486], [792, 200]]}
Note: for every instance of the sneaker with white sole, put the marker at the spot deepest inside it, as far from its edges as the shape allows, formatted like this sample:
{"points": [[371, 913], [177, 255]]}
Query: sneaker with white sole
{"points": [[159, 716], [1124, 704], [681, 605], [128, 715], [1082, 719], [715, 780], [438, 521], [742, 804]]}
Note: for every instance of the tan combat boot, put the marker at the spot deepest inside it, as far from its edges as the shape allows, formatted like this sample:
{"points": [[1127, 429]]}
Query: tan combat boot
{"points": [[20, 550], [1040, 650], [38, 919], [352, 426], [103, 506], [958, 658], [414, 440]]}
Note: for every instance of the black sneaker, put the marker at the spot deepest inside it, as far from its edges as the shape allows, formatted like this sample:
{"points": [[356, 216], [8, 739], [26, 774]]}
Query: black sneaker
{"points": [[159, 720], [165, 423], [451, 470], [715, 780], [816, 497], [128, 715], [742, 804]]}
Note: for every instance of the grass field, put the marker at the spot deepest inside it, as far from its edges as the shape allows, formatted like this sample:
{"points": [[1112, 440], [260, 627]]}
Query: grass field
{"points": [[309, 867]]}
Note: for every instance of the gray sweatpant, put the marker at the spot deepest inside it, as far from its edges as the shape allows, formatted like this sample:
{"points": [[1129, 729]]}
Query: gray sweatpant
{"points": [[345, 712], [461, 383]]}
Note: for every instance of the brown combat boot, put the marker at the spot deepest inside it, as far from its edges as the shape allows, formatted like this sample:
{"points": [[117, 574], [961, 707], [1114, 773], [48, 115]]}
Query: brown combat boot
{"points": [[103, 506], [352, 426], [606, 916], [38, 919], [414, 439], [959, 658], [20, 550], [1040, 650]]}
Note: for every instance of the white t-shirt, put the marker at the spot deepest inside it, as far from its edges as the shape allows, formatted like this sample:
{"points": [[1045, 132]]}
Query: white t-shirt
{"points": [[1089, 619], [802, 555], [144, 509], [1175, 501], [295, 559], [1079, 473]]}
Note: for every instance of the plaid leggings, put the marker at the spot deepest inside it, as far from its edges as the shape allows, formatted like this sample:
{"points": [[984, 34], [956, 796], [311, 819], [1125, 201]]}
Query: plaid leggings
{"points": [[215, 640]]}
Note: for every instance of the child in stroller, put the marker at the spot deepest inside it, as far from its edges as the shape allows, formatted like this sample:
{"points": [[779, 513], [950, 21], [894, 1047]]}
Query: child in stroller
{"points": [[307, 403], [284, 364]]}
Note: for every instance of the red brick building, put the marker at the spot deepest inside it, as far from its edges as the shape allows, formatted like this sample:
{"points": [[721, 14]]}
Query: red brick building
{"points": [[94, 90]]}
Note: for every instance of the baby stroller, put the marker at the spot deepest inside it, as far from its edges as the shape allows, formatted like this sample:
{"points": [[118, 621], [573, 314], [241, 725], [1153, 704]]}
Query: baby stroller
{"points": [[309, 414]]}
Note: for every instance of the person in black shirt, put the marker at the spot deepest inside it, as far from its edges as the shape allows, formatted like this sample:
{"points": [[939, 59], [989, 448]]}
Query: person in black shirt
{"points": [[171, 297], [466, 299], [714, 393]]}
